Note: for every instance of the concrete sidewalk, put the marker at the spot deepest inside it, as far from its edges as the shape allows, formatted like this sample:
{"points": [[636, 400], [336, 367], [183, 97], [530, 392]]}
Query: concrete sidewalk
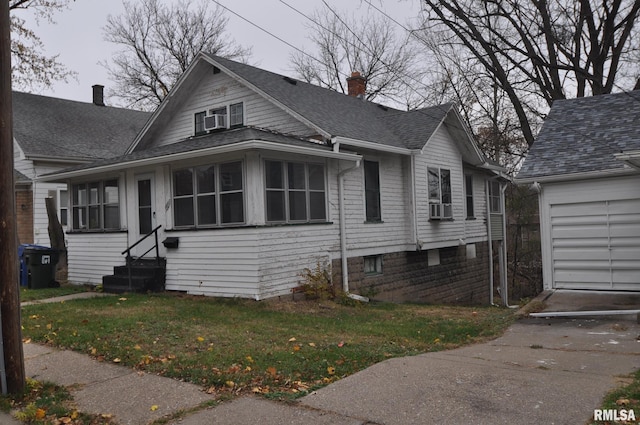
{"points": [[551, 371]]}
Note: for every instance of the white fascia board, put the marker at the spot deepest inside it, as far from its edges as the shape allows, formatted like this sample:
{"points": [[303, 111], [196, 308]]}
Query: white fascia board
{"points": [[373, 146], [576, 176], [64, 160], [158, 111], [248, 145], [631, 158]]}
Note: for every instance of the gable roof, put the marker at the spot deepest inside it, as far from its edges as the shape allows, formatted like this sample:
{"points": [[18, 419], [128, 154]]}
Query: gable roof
{"points": [[582, 135], [330, 113], [51, 128]]}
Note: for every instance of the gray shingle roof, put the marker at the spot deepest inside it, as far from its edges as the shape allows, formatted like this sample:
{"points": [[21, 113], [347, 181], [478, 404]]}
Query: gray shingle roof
{"points": [[47, 126], [342, 115], [18, 177], [581, 135], [212, 140]]}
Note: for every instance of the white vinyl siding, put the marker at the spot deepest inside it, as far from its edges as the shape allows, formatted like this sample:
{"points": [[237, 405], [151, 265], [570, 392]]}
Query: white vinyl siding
{"points": [[591, 234], [441, 153], [90, 259], [219, 89], [221, 262]]}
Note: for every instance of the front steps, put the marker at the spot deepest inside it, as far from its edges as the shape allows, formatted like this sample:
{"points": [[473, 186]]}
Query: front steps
{"points": [[147, 275]]}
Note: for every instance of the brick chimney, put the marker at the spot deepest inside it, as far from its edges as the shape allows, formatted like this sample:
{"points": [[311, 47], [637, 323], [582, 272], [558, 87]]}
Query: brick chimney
{"points": [[98, 95], [357, 85]]}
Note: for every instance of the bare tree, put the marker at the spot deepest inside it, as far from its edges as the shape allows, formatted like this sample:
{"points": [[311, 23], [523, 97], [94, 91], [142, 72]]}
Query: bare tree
{"points": [[158, 44], [368, 45], [30, 67], [540, 50]]}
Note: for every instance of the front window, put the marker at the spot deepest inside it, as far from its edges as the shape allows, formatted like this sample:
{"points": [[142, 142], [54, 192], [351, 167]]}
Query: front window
{"points": [[208, 195], [96, 206], [295, 192]]}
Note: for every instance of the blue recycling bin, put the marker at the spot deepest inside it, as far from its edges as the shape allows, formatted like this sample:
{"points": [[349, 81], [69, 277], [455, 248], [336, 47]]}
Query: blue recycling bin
{"points": [[37, 266]]}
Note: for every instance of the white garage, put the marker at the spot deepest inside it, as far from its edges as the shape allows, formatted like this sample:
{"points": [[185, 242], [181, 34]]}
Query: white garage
{"points": [[585, 165], [593, 237], [596, 245]]}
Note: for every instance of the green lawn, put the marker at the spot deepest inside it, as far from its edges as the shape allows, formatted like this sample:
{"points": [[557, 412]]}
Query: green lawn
{"points": [[280, 349]]}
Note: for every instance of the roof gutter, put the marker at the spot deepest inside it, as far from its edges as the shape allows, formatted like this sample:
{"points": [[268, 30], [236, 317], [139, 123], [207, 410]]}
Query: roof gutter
{"points": [[370, 145], [576, 176], [234, 147]]}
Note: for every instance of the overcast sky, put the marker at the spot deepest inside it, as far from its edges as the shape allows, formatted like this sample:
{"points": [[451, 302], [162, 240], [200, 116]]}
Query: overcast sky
{"points": [[77, 35]]}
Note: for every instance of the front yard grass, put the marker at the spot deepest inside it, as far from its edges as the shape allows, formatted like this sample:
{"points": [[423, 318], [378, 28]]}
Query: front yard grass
{"points": [[231, 346]]}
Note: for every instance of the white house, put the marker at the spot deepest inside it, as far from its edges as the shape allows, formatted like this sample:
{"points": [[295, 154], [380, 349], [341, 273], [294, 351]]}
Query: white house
{"points": [[250, 177], [51, 134], [585, 164]]}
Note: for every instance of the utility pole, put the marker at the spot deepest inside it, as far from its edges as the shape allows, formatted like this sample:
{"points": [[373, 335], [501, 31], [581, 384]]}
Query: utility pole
{"points": [[9, 290]]}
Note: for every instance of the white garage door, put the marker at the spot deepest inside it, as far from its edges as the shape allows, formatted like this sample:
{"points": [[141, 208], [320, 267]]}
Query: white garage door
{"points": [[596, 245]]}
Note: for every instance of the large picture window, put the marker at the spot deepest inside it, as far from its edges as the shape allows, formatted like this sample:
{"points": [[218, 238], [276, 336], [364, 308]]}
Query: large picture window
{"points": [[295, 192], [96, 205], [208, 195]]}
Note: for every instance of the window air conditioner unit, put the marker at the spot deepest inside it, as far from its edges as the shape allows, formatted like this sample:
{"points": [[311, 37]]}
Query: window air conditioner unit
{"points": [[214, 122], [440, 211]]}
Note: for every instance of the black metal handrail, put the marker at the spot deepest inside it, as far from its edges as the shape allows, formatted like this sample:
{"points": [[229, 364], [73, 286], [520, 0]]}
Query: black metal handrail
{"points": [[155, 246]]}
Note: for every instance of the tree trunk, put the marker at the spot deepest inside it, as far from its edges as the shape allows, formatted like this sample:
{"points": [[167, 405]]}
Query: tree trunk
{"points": [[56, 236]]}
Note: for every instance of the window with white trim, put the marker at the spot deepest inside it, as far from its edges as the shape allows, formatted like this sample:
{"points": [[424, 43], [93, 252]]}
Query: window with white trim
{"points": [[468, 193], [96, 205], [198, 120], [208, 195], [232, 116], [63, 206], [236, 115], [372, 191], [495, 204], [295, 192], [439, 183]]}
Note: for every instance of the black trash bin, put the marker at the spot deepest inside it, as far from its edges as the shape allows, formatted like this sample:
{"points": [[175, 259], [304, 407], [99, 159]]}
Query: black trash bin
{"points": [[40, 266]]}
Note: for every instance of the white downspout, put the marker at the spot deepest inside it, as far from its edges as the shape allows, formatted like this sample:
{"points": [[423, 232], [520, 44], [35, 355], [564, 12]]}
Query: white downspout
{"points": [[486, 193], [414, 202], [343, 235]]}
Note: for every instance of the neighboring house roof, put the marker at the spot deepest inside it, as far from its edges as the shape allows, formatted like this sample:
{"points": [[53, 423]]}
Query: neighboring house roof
{"points": [[20, 178], [582, 135], [198, 146], [47, 127]]}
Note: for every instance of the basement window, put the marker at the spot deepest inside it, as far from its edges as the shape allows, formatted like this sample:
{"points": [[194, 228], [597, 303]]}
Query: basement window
{"points": [[373, 264]]}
